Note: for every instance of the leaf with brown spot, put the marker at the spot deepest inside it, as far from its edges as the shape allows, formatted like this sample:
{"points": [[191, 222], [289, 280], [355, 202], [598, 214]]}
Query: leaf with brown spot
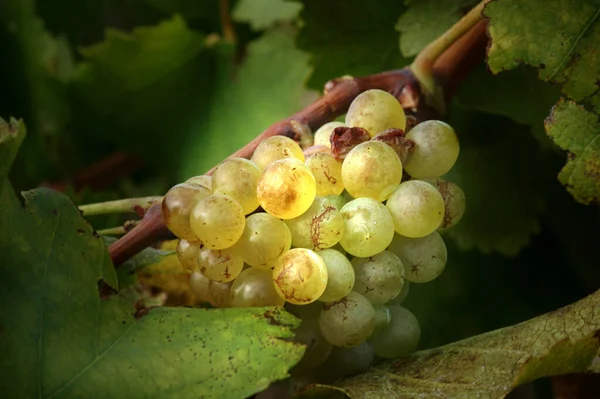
{"points": [[487, 366]]}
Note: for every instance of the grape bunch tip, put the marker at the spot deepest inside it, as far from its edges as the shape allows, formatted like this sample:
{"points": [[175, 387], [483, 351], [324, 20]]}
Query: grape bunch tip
{"points": [[336, 235]]}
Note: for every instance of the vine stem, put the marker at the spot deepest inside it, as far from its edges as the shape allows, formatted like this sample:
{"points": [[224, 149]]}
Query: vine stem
{"points": [[112, 231], [226, 22], [120, 206], [423, 64]]}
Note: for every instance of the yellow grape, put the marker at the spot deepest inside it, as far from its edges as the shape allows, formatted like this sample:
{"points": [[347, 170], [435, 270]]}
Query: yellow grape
{"points": [[265, 238], [218, 221], [300, 276], [323, 134], [376, 110], [286, 188], [201, 180], [238, 179], [275, 148], [199, 284], [417, 208], [254, 287], [327, 172], [320, 227], [436, 149], [187, 253], [219, 264], [368, 227], [177, 207], [219, 294]]}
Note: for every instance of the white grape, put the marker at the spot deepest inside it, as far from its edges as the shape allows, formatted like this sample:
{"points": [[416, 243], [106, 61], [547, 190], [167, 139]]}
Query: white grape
{"points": [[254, 288], [340, 275], [436, 149], [368, 227], [327, 172], [323, 134], [424, 258], [349, 321], [380, 277], [275, 148], [376, 110], [237, 178], [300, 276], [320, 227], [265, 238], [400, 337], [218, 221], [454, 201]]}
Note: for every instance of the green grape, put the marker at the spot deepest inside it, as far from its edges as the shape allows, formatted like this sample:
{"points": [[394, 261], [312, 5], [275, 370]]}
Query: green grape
{"points": [[237, 178], [417, 208], [265, 238], [320, 227], [286, 188], [218, 221], [327, 172], [300, 276], [376, 110], [199, 284], [349, 321], [435, 151], [317, 347], [323, 134], [383, 317], [372, 169], [424, 258], [400, 337], [177, 207], [219, 294], [379, 278], [368, 227], [254, 288], [340, 275], [336, 200], [403, 294], [275, 148], [345, 362], [202, 180], [219, 264], [454, 201], [305, 312], [187, 253]]}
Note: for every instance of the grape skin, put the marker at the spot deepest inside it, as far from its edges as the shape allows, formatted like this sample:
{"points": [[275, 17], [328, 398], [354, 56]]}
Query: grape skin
{"points": [[201, 180], [265, 238], [403, 294], [199, 284], [286, 188], [218, 221], [187, 253], [237, 178], [327, 172], [320, 227], [317, 347], [436, 149], [345, 362], [349, 321], [340, 275], [219, 293], [177, 207], [454, 201], [417, 208], [323, 134], [300, 276], [219, 264], [368, 227], [376, 110], [253, 288], [424, 258], [379, 278], [275, 148], [372, 169], [400, 337]]}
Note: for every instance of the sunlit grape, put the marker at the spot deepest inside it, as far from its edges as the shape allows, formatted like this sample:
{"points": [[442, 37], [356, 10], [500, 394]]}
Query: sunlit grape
{"points": [[265, 238], [368, 227], [300, 276], [327, 172], [253, 288], [436, 149], [275, 148], [376, 110], [187, 253], [218, 221], [237, 178], [323, 134], [177, 207], [340, 275], [219, 264], [320, 227]]}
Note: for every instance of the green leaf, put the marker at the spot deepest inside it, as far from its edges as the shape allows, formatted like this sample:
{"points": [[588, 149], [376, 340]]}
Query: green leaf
{"points": [[505, 179], [426, 20], [559, 37], [363, 42], [263, 14], [11, 136], [577, 131], [141, 91], [267, 87], [60, 339], [516, 94], [492, 364]]}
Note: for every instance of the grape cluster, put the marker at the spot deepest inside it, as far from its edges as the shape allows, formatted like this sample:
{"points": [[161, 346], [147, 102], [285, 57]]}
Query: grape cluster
{"points": [[336, 236]]}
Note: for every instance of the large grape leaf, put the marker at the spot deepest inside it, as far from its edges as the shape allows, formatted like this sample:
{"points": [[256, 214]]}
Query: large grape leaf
{"points": [[577, 131], [262, 14], [505, 178], [245, 100], [363, 42], [490, 365], [60, 339], [560, 37], [425, 20], [142, 90]]}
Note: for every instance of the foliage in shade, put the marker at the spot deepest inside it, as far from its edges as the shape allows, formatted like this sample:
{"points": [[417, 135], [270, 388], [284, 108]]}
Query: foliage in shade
{"points": [[568, 57], [61, 338], [425, 20], [263, 14], [362, 42], [576, 130], [490, 365]]}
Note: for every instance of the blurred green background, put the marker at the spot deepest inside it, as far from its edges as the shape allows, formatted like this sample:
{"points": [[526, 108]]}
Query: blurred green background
{"points": [[160, 90]]}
